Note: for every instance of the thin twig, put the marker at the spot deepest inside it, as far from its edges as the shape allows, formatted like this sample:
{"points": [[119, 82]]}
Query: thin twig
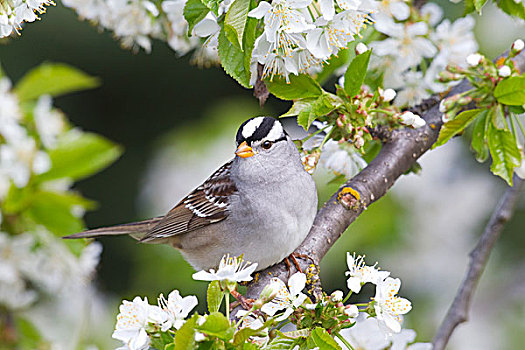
{"points": [[458, 312]]}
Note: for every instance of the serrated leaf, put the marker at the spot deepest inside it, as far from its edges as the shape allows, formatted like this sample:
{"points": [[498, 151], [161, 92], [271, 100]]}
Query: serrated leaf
{"points": [[479, 140], [78, 155], [53, 210], [194, 12], [185, 336], [478, 4], [321, 339], [214, 296], [298, 106], [213, 5], [299, 86], [323, 105], [217, 325], [356, 72], [504, 152], [511, 91], [512, 8], [53, 79], [280, 343], [233, 60], [235, 22], [455, 126]]}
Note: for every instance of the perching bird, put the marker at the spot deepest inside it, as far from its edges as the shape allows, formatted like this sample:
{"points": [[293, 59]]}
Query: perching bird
{"points": [[260, 204]]}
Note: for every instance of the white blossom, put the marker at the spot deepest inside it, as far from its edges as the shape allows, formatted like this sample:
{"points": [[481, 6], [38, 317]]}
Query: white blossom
{"points": [[177, 38], [230, 268], [341, 159], [359, 273], [474, 59], [433, 12], [415, 89], [504, 71], [404, 339], [282, 15], [388, 306], [361, 48], [410, 119], [518, 45], [49, 122], [406, 42], [132, 321], [388, 94], [287, 298], [14, 13], [176, 309], [366, 334]]}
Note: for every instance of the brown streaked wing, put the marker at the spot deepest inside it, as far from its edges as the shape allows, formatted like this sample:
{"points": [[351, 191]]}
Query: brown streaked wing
{"points": [[206, 205]]}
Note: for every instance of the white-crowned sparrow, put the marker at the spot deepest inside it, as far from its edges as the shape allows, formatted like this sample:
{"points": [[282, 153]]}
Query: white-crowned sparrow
{"points": [[260, 204]]}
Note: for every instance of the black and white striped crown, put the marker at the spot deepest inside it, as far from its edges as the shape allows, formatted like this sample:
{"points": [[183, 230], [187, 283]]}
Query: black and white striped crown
{"points": [[258, 128]]}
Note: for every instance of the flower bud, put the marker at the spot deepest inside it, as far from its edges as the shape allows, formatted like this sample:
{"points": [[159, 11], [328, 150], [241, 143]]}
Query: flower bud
{"points": [[336, 296], [388, 95], [517, 46], [361, 48], [351, 311], [474, 59], [269, 292], [504, 71]]}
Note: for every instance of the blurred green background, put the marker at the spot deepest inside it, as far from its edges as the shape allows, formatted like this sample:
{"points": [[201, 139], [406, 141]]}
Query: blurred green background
{"points": [[157, 101]]}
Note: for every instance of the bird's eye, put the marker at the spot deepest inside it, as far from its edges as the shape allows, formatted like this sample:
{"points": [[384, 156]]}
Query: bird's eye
{"points": [[267, 144]]}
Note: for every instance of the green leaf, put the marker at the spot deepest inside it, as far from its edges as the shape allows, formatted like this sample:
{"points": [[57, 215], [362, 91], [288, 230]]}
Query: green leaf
{"points": [[214, 296], [28, 336], [511, 91], [356, 72], [504, 152], [455, 126], [479, 140], [78, 155], [333, 63], [323, 105], [469, 7], [185, 336], [217, 325], [161, 340], [299, 86], [53, 210], [235, 22], [321, 339], [478, 4], [194, 12], [233, 60], [512, 8], [213, 5], [281, 343], [53, 79]]}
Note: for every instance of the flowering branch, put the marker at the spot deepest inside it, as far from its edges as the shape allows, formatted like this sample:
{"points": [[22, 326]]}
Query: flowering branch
{"points": [[401, 150], [458, 312]]}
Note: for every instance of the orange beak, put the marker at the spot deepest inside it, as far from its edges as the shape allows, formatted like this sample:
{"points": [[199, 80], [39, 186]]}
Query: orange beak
{"points": [[244, 151]]}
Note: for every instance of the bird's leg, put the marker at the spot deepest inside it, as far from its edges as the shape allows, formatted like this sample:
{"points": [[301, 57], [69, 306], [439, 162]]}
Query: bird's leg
{"points": [[293, 256], [246, 303]]}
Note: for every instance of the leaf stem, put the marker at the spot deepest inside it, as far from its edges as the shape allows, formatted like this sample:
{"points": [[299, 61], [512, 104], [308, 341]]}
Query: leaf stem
{"points": [[344, 341], [347, 297], [227, 300]]}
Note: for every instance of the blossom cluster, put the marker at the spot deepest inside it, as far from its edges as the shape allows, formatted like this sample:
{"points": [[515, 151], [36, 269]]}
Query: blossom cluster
{"points": [[37, 268], [372, 325], [13, 13], [415, 39]]}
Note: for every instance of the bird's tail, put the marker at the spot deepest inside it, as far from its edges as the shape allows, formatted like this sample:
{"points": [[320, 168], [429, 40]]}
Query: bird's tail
{"points": [[135, 229]]}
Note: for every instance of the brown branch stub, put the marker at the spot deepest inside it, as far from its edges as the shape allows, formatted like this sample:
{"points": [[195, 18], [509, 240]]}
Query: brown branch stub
{"points": [[260, 91], [458, 312]]}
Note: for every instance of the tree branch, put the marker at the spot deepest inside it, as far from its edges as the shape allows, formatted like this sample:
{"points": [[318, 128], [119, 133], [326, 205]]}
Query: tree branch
{"points": [[401, 149], [458, 311]]}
